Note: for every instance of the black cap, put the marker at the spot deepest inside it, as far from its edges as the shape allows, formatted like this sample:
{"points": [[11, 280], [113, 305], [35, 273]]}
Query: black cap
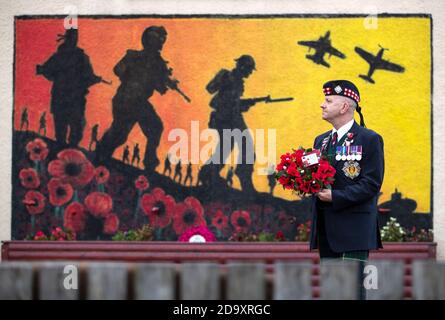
{"points": [[69, 34], [246, 60], [347, 89]]}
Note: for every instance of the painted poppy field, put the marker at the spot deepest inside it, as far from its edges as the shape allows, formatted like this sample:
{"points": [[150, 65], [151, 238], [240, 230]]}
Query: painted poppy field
{"points": [[61, 195]]}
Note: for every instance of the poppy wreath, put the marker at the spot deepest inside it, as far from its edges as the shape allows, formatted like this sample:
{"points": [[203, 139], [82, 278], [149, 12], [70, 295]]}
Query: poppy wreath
{"points": [[294, 174]]}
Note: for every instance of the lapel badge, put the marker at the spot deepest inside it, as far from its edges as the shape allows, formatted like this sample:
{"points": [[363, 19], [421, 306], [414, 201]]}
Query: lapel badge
{"points": [[351, 169]]}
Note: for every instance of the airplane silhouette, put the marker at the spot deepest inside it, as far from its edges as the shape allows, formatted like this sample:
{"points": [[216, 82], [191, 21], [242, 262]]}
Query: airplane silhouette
{"points": [[376, 62], [321, 46]]}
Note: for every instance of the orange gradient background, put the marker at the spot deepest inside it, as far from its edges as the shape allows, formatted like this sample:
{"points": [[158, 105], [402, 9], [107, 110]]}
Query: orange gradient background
{"points": [[397, 106]]}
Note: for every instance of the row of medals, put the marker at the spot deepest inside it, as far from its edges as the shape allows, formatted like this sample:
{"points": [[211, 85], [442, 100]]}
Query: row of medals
{"points": [[349, 153]]}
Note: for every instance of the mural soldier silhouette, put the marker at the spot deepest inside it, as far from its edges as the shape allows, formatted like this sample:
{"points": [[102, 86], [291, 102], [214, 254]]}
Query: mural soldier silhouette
{"points": [[229, 177], [167, 165], [228, 88], [24, 121], [136, 155], [272, 181], [188, 176], [126, 155], [178, 173], [42, 123], [94, 140], [141, 73], [71, 72]]}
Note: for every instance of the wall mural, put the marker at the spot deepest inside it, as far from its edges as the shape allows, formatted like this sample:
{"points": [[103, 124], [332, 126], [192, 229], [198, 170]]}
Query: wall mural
{"points": [[115, 120]]}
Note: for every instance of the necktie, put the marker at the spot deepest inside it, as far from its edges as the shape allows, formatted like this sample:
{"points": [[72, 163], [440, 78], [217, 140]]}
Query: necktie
{"points": [[334, 139]]}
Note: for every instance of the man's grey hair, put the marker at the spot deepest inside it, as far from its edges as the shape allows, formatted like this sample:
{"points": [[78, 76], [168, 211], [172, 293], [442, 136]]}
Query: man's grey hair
{"points": [[350, 102]]}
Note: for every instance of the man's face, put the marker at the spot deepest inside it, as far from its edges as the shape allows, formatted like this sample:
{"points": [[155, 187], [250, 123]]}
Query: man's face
{"points": [[332, 107]]}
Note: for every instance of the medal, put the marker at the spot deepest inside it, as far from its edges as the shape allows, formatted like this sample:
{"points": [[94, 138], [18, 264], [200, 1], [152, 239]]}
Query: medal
{"points": [[351, 169], [343, 153], [348, 152], [338, 153], [353, 152], [359, 153]]}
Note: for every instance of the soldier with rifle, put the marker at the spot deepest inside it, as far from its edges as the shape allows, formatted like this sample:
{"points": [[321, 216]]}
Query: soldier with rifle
{"points": [[141, 74], [228, 88]]}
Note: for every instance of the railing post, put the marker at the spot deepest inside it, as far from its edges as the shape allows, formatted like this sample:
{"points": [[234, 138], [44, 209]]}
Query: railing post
{"points": [[16, 281], [339, 280], [428, 280], [292, 281], [246, 281], [58, 280], [107, 281], [154, 281]]}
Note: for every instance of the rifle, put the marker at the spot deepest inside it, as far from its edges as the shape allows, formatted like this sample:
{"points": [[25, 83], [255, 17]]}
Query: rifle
{"points": [[268, 99], [174, 85]]}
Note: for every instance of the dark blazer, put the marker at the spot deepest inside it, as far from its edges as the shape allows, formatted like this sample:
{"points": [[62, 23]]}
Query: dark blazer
{"points": [[351, 218]]}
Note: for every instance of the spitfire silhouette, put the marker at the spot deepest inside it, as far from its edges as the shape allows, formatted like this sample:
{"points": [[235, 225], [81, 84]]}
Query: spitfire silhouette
{"points": [[321, 46], [377, 62]]}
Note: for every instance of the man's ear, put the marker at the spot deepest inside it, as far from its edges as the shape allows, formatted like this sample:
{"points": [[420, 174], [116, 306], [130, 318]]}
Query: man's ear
{"points": [[344, 108]]}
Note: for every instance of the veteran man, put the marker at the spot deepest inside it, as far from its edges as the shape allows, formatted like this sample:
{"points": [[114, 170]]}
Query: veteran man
{"points": [[345, 217]]}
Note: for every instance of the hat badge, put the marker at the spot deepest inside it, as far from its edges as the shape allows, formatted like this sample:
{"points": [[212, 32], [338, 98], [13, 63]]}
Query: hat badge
{"points": [[338, 89]]}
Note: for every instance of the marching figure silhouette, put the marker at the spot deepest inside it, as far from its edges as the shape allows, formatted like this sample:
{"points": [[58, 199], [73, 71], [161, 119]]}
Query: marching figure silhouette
{"points": [[228, 88], [136, 155], [229, 177], [42, 123], [71, 72], [167, 165], [94, 140], [178, 173], [126, 155], [24, 121], [188, 176], [271, 179], [141, 73]]}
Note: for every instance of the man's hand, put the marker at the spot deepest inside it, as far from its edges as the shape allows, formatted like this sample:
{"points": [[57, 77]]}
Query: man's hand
{"points": [[325, 195]]}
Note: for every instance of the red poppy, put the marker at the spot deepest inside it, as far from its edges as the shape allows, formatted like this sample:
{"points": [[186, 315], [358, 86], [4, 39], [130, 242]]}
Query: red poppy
{"points": [[141, 183], [188, 214], [58, 234], [34, 202], [59, 193], [325, 169], [159, 207], [315, 187], [279, 236], [99, 204], [75, 217], [102, 174], [37, 149], [29, 178], [286, 182], [111, 224], [293, 171], [297, 154], [305, 186], [40, 236], [240, 220], [73, 167], [220, 220]]}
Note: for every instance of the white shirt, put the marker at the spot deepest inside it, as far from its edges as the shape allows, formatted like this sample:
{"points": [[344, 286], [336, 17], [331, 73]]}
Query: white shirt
{"points": [[343, 130]]}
